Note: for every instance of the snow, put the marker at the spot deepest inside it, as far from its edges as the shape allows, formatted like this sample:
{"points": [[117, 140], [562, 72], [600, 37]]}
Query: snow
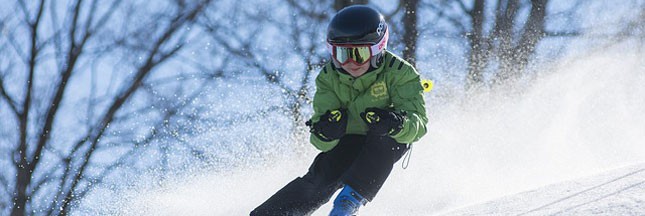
{"points": [[553, 149], [616, 192]]}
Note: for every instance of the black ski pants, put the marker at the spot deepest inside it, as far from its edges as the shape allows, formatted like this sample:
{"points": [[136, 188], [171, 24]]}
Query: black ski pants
{"points": [[360, 161]]}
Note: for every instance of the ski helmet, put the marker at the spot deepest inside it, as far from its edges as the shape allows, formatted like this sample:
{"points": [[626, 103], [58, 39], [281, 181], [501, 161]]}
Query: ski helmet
{"points": [[358, 25]]}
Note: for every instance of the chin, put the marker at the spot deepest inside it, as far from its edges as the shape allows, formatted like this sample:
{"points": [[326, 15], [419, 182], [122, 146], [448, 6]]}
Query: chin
{"points": [[356, 74]]}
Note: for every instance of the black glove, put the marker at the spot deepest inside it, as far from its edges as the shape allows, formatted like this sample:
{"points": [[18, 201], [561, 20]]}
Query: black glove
{"points": [[383, 122], [331, 126]]}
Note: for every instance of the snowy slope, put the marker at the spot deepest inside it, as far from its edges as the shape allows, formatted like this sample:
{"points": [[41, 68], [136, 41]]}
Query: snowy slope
{"points": [[616, 192], [584, 116]]}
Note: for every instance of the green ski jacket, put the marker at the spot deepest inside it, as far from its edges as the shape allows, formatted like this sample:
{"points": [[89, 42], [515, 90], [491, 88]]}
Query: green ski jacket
{"points": [[395, 85]]}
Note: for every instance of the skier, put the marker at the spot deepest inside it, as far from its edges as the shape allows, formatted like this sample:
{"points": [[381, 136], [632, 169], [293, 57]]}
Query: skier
{"points": [[368, 108]]}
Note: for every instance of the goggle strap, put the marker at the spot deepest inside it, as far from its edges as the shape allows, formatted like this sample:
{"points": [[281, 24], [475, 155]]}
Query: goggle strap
{"points": [[381, 45]]}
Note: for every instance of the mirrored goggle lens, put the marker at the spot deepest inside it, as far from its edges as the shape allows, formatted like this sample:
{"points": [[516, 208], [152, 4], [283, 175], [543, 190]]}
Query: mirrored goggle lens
{"points": [[359, 55]]}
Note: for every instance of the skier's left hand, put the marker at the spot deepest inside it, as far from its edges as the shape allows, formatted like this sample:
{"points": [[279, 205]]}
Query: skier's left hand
{"points": [[383, 122]]}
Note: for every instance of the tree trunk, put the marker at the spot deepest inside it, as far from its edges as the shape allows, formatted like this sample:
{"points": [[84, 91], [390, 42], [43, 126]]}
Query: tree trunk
{"points": [[503, 34], [504, 45], [479, 49], [411, 33], [533, 33], [24, 169], [20, 199], [515, 58]]}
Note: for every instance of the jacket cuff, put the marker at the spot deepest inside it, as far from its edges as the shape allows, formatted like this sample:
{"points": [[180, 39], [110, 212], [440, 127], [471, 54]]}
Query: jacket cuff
{"points": [[400, 137]]}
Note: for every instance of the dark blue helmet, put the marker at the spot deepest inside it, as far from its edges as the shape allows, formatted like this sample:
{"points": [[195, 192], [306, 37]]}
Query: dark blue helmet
{"points": [[357, 24]]}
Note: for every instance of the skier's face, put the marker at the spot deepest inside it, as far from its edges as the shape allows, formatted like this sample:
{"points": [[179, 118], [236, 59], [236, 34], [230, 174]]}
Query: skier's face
{"points": [[355, 70]]}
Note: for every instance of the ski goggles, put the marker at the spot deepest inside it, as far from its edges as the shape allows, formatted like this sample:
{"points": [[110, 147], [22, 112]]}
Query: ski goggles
{"points": [[357, 53]]}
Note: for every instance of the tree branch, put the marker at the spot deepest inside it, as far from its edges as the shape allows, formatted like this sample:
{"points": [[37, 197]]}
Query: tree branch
{"points": [[61, 186], [107, 16], [562, 33], [75, 50], [24, 9], [308, 12], [463, 7], [24, 170], [151, 62], [5, 186], [146, 141], [108, 170], [45, 178], [441, 13], [250, 59], [6, 97]]}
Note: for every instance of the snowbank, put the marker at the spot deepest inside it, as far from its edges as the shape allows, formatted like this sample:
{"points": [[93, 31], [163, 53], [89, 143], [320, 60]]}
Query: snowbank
{"points": [[616, 192]]}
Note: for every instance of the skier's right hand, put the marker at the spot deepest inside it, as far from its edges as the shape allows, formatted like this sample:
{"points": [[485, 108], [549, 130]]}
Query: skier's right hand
{"points": [[331, 126]]}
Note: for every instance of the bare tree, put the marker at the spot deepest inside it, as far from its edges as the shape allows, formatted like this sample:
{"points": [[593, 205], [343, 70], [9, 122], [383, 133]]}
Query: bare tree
{"points": [[297, 57], [501, 41], [53, 50]]}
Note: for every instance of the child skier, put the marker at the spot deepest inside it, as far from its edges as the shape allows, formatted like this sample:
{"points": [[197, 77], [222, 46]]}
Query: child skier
{"points": [[368, 107]]}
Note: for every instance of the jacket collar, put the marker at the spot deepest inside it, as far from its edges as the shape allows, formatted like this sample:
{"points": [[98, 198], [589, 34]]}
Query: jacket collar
{"points": [[360, 83]]}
